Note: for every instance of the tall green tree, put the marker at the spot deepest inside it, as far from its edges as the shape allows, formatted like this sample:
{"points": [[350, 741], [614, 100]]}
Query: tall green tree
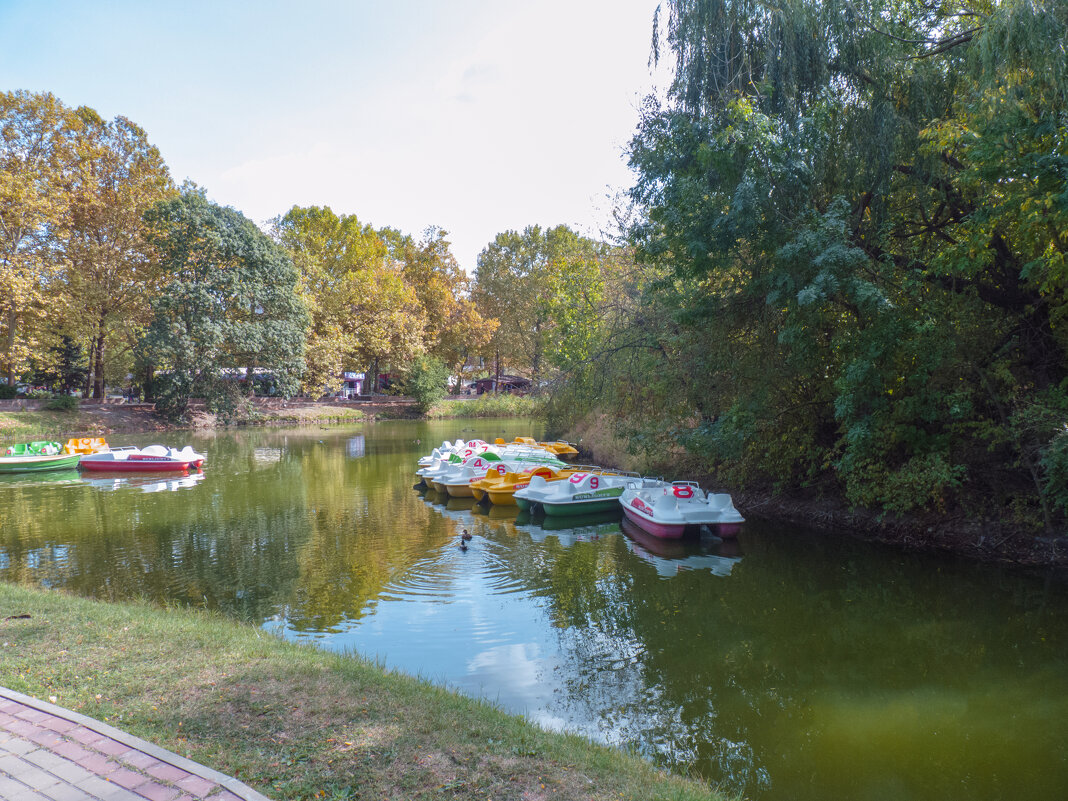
{"points": [[454, 325], [111, 276], [36, 152], [363, 314], [229, 302]]}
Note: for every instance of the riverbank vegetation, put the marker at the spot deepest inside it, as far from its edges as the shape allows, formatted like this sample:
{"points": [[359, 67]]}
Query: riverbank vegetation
{"points": [[488, 406], [852, 233], [293, 721]]}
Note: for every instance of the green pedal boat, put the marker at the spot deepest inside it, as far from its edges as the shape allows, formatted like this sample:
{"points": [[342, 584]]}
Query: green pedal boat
{"points": [[33, 457]]}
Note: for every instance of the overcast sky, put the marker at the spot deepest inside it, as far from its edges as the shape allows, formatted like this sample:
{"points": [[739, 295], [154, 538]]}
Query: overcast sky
{"points": [[477, 116]]}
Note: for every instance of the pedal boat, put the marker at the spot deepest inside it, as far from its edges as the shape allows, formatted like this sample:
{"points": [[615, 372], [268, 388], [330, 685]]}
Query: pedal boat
{"points": [[666, 510], [151, 459], [584, 492], [499, 488], [34, 457]]}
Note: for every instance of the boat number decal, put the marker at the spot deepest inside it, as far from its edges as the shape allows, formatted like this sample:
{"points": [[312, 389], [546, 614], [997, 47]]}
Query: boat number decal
{"points": [[638, 504], [594, 482], [683, 492], [469, 452], [502, 469], [577, 478]]}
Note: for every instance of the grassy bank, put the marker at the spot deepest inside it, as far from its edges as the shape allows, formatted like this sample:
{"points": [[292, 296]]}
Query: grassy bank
{"points": [[88, 421], [487, 406], [293, 721]]}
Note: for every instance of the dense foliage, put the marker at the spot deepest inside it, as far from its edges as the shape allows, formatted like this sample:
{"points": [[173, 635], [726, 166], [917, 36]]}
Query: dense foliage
{"points": [[854, 219], [229, 306], [425, 381]]}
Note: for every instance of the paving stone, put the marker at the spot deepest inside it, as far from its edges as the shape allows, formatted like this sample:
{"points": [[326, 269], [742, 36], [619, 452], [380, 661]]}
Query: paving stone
{"points": [[127, 778], [110, 747], [58, 724], [197, 785], [158, 792], [71, 750], [14, 765], [11, 788], [36, 778], [168, 773], [45, 756], [139, 760], [46, 738], [83, 735], [98, 764], [18, 745], [70, 772], [66, 792], [32, 715], [45, 759]]}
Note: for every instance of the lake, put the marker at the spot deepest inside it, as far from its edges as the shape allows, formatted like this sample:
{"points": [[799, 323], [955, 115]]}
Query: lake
{"points": [[785, 664]]}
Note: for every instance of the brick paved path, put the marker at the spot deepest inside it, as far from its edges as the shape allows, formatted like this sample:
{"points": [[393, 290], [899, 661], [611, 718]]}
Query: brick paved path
{"points": [[52, 754]]}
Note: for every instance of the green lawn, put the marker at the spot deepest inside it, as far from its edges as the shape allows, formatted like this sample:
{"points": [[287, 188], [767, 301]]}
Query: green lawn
{"points": [[291, 720]]}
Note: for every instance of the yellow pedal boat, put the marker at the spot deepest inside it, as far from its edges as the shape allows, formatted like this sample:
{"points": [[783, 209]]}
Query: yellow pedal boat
{"points": [[500, 488]]}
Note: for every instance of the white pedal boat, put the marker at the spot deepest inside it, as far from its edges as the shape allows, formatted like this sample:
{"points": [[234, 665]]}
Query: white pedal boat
{"points": [[665, 510], [151, 459]]}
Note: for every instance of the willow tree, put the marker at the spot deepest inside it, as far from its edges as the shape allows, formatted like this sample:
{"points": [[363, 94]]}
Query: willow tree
{"points": [[860, 209], [36, 151]]}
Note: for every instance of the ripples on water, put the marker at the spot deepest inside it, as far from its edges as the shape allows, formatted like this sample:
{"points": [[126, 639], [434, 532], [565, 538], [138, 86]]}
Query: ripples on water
{"points": [[784, 665]]}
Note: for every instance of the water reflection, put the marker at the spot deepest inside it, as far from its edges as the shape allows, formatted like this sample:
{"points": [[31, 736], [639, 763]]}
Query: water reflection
{"points": [[792, 667], [145, 483]]}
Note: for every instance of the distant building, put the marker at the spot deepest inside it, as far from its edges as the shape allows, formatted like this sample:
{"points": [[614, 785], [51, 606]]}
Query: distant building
{"points": [[509, 383], [351, 385]]}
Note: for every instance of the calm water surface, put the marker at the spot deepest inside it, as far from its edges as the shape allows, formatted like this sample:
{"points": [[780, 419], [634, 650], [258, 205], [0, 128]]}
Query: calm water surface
{"points": [[785, 665]]}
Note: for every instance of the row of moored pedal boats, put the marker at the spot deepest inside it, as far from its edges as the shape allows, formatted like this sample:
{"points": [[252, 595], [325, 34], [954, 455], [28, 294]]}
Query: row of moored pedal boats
{"points": [[534, 476]]}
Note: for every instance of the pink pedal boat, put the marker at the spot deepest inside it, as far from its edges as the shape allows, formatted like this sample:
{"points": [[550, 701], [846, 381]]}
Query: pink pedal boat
{"points": [[151, 459], [665, 510]]}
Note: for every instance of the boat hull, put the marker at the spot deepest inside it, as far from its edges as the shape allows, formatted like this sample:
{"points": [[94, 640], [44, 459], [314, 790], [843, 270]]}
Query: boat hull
{"points": [[585, 507], [38, 464], [502, 498], [666, 531], [460, 490], [140, 465]]}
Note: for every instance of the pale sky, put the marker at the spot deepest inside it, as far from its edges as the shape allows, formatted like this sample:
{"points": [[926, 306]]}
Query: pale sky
{"points": [[477, 116]]}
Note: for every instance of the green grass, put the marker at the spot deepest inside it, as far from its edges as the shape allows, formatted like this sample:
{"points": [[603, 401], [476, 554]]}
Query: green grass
{"points": [[293, 721], [488, 406], [25, 426], [312, 414]]}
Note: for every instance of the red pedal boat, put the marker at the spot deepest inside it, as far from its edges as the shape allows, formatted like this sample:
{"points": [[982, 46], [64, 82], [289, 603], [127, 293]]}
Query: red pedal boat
{"points": [[151, 459]]}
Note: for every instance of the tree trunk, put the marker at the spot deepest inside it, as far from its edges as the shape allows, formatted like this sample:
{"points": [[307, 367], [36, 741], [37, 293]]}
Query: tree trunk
{"points": [[497, 369], [148, 382], [98, 377], [11, 347]]}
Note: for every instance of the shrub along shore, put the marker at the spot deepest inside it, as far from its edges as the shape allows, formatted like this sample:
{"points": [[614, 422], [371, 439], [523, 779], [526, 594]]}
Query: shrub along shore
{"points": [[294, 721]]}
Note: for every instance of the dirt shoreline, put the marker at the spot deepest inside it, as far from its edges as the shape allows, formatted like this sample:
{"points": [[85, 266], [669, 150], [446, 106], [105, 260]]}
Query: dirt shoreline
{"points": [[959, 535], [103, 419]]}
